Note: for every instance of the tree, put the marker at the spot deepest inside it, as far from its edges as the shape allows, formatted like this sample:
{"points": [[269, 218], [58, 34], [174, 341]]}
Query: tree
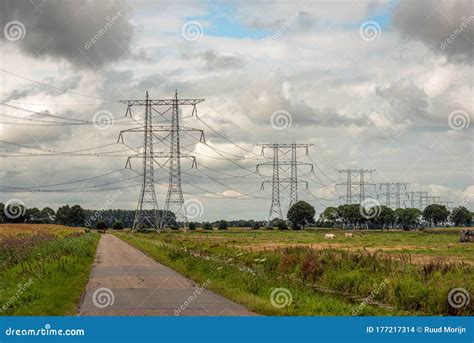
{"points": [[385, 217], [223, 225], [47, 215], [207, 226], [192, 226], [117, 225], [33, 215], [301, 213], [408, 218], [435, 214], [78, 216], [63, 214], [461, 216], [350, 214], [329, 215]]}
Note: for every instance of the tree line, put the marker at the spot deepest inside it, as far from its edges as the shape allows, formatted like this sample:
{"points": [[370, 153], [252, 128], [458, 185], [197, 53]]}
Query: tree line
{"points": [[352, 216], [383, 217]]}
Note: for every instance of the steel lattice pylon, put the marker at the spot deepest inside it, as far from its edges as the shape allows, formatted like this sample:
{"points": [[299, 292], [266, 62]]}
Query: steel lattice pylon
{"points": [[174, 198], [147, 209], [285, 173], [146, 215], [355, 185], [392, 190]]}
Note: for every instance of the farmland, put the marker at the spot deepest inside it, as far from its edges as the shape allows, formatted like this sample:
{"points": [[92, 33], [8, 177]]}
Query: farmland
{"points": [[43, 268], [372, 273]]}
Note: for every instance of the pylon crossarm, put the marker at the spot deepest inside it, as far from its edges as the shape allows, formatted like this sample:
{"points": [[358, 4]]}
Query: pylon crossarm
{"points": [[162, 102], [161, 113]]}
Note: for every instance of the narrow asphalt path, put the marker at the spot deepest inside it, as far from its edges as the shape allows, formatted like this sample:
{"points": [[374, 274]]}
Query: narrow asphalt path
{"points": [[126, 282]]}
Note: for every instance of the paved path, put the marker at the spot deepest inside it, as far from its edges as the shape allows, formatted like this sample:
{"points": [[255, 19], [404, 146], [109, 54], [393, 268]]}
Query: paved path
{"points": [[126, 282]]}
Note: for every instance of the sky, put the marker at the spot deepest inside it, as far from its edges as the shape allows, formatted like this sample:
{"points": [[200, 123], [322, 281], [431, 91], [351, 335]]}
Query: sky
{"points": [[380, 85]]}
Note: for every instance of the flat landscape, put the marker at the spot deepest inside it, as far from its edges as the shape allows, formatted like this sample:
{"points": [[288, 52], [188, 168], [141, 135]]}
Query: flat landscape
{"points": [[372, 273], [50, 270]]}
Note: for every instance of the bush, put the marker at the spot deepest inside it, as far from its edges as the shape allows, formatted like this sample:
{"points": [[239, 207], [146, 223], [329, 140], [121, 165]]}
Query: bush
{"points": [[117, 225], [101, 225], [256, 226], [223, 225], [281, 224], [207, 226], [192, 226]]}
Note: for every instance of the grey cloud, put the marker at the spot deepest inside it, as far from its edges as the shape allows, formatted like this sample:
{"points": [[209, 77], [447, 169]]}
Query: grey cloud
{"points": [[406, 100], [70, 82], [86, 33], [447, 27], [213, 61]]}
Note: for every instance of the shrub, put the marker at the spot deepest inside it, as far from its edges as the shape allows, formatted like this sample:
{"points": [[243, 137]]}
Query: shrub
{"points": [[207, 226], [117, 225], [223, 225], [281, 224], [101, 225]]}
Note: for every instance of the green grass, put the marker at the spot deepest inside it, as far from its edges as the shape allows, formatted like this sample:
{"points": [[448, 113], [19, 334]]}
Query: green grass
{"points": [[48, 277], [322, 281]]}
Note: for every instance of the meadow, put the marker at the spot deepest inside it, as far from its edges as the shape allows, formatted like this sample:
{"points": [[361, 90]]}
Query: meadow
{"points": [[43, 268], [372, 273]]}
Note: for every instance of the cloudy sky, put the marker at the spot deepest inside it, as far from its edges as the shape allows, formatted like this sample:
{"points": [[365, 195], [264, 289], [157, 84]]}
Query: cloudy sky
{"points": [[383, 85]]}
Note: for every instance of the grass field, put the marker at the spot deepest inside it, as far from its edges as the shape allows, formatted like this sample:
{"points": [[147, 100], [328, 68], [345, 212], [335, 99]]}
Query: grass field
{"points": [[373, 273], [43, 268]]}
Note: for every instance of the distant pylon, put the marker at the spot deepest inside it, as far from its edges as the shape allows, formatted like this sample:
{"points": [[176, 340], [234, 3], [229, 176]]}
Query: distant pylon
{"points": [[285, 173], [418, 199], [392, 190], [355, 185]]}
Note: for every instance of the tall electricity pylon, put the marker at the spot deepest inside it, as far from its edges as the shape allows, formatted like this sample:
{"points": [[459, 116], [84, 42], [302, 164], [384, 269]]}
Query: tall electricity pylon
{"points": [[174, 198], [285, 173], [146, 215], [355, 185], [392, 190], [174, 213]]}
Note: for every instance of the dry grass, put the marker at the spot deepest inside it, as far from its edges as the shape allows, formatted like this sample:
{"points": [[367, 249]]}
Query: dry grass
{"points": [[15, 230]]}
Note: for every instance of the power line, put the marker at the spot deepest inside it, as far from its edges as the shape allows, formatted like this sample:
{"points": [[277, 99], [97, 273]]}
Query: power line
{"points": [[57, 88]]}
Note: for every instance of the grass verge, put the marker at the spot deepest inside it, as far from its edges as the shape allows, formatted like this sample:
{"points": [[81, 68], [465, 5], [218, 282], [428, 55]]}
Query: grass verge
{"points": [[45, 274]]}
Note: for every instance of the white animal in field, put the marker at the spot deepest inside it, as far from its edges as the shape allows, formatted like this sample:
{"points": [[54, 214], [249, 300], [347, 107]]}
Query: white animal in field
{"points": [[348, 234], [329, 236]]}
